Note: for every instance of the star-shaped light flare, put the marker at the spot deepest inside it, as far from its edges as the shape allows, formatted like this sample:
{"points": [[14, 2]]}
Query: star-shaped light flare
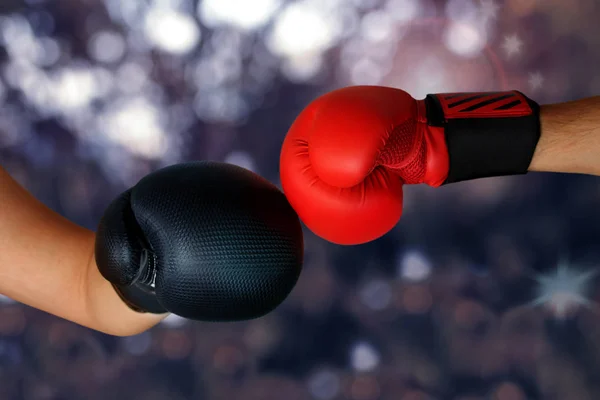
{"points": [[489, 9], [512, 45], [564, 290], [536, 80]]}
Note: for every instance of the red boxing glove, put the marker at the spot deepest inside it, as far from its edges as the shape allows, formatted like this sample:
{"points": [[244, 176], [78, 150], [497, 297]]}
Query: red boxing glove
{"points": [[347, 155]]}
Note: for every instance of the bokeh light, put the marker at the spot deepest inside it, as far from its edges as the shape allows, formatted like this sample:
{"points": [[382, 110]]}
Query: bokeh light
{"points": [[241, 14], [463, 300]]}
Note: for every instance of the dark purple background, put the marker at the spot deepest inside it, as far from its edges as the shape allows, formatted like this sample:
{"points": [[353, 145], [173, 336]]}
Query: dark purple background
{"points": [[97, 94]]}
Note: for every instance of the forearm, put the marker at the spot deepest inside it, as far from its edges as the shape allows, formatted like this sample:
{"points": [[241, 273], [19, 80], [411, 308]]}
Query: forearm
{"points": [[570, 138], [47, 262], [110, 314]]}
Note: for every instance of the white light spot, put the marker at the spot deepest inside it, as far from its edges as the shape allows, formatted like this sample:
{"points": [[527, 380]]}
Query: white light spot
{"points": [[324, 385], [136, 125], [33, 83], [107, 47], [427, 78], [73, 88], [364, 357], [377, 26], [241, 159], [376, 294], [171, 31], [414, 266], [536, 80], [174, 321], [292, 36], [512, 45], [243, 14], [466, 40], [564, 290], [302, 68], [366, 72], [18, 38], [403, 10]]}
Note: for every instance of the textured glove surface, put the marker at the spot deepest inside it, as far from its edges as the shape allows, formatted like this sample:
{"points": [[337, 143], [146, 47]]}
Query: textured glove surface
{"points": [[206, 241]]}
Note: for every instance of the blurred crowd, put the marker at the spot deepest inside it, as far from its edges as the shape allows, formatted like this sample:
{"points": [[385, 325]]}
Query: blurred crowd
{"points": [[485, 290]]}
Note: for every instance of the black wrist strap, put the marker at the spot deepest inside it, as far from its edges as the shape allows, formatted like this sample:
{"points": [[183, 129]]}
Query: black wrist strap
{"points": [[139, 299], [487, 134], [140, 295]]}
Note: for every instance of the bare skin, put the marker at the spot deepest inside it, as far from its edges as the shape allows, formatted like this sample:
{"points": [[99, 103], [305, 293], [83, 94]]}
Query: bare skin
{"points": [[47, 262], [570, 140]]}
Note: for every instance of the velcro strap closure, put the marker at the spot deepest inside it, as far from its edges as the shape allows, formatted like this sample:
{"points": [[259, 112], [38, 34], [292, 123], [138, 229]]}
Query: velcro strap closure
{"points": [[487, 134], [140, 298]]}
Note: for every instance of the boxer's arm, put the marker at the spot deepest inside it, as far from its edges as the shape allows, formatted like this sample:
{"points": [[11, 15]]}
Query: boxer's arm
{"points": [[47, 262], [570, 138]]}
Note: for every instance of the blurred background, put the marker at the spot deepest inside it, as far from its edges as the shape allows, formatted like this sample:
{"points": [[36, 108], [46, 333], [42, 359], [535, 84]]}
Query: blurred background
{"points": [[485, 290]]}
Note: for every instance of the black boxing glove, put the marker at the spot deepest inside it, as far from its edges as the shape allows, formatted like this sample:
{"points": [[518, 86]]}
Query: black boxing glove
{"points": [[205, 241]]}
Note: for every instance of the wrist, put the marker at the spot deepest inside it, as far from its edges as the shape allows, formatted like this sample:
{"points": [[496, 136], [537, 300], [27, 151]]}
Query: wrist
{"points": [[570, 138], [140, 294], [487, 134], [547, 155], [107, 311]]}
